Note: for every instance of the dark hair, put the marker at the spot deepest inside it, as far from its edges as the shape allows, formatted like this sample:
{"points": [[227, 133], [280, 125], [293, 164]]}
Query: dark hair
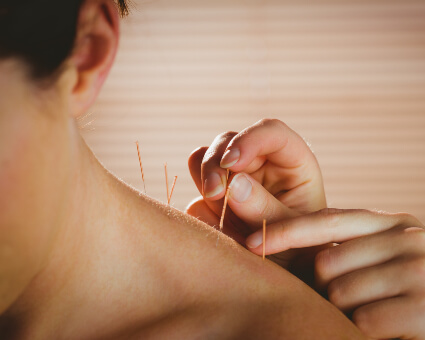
{"points": [[41, 32]]}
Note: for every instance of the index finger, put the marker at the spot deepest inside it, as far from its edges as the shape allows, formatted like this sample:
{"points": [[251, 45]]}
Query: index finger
{"points": [[322, 227], [271, 138]]}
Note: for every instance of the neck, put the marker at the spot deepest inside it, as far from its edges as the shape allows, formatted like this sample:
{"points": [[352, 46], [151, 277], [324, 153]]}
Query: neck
{"points": [[100, 248]]}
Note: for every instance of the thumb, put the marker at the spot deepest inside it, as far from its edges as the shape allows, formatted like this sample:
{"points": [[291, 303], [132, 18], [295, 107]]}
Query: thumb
{"points": [[252, 203]]}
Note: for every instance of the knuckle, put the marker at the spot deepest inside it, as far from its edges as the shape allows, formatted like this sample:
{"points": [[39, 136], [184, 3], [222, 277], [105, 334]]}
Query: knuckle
{"points": [[213, 154], [226, 135], [284, 237], [332, 217], [402, 215], [330, 212], [281, 235], [265, 121], [265, 210], [407, 219], [272, 122]]}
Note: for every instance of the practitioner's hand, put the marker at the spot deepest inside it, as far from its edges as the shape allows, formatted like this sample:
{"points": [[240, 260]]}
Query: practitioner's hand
{"points": [[376, 273], [266, 155]]}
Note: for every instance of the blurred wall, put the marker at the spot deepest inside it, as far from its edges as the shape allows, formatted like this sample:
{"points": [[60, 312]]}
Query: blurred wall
{"points": [[349, 76]]}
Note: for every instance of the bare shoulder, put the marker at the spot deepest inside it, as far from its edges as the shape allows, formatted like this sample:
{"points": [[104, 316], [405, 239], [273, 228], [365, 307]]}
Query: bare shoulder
{"points": [[219, 290]]}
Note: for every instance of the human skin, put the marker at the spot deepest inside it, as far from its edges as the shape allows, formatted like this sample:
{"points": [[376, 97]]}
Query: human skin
{"points": [[279, 171], [375, 273], [84, 256]]}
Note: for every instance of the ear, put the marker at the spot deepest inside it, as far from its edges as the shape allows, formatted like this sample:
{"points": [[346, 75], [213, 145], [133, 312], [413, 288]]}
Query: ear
{"points": [[94, 51]]}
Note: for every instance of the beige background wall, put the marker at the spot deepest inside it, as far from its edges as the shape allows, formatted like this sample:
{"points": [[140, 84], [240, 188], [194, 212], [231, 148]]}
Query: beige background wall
{"points": [[349, 76]]}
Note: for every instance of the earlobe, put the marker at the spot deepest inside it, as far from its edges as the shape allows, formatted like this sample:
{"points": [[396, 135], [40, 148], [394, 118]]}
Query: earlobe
{"points": [[94, 53]]}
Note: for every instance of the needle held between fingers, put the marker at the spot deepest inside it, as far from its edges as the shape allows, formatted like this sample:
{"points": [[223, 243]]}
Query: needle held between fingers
{"points": [[323, 227]]}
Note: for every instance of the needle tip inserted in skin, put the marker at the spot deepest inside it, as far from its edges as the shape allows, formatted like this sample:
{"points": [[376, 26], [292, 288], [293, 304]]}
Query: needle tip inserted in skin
{"points": [[141, 167], [169, 193], [172, 189]]}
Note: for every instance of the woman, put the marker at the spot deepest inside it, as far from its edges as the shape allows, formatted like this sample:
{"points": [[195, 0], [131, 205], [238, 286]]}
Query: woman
{"points": [[82, 255]]}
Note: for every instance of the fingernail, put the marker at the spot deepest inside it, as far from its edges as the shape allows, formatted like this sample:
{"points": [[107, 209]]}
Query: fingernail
{"points": [[213, 185], [254, 240], [240, 188], [230, 158]]}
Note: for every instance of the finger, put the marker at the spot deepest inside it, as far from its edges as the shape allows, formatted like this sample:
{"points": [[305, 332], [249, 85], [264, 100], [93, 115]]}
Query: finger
{"points": [[368, 285], [367, 251], [252, 203], [214, 178], [194, 163], [199, 209], [233, 225], [325, 226], [286, 148], [391, 318]]}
